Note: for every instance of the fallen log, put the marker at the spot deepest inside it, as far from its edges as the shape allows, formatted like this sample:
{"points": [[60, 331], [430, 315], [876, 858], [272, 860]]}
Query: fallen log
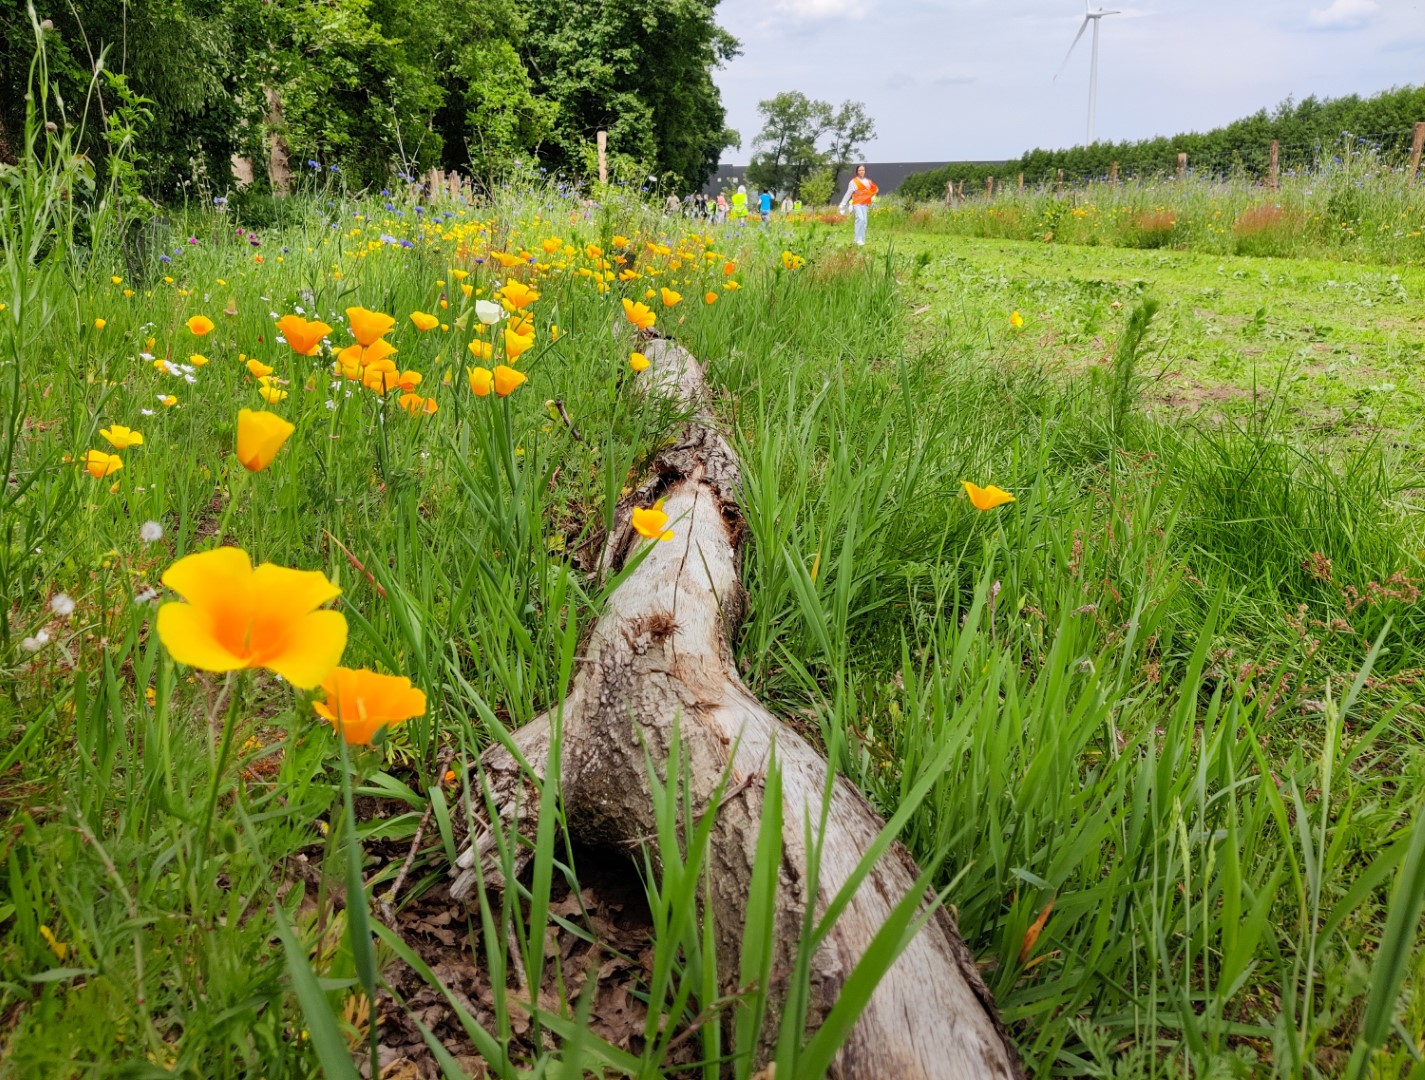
{"points": [[661, 652]]}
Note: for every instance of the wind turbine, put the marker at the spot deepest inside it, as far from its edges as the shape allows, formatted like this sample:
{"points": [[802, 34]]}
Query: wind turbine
{"points": [[1090, 16]]}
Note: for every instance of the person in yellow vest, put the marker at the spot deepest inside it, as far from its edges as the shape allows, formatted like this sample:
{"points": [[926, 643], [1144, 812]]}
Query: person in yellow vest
{"points": [[739, 204], [859, 194]]}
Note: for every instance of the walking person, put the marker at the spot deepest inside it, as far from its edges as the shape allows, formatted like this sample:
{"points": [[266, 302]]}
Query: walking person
{"points": [[739, 204], [764, 204], [721, 217], [859, 194]]}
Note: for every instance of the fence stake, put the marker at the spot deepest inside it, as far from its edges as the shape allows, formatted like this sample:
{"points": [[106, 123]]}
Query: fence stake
{"points": [[603, 140], [1021, 181], [950, 192], [1059, 183], [989, 187], [1273, 173], [1417, 143], [1113, 172], [1182, 166]]}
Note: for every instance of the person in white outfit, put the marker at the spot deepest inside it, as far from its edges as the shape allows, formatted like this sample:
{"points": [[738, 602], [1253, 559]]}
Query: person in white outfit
{"points": [[859, 194]]}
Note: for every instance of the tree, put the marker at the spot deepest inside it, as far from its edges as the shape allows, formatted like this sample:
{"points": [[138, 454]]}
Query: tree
{"points": [[656, 725], [792, 127], [640, 71], [851, 128], [785, 148]]}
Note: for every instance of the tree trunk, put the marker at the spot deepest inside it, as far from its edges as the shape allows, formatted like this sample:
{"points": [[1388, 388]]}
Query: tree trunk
{"points": [[662, 651]]}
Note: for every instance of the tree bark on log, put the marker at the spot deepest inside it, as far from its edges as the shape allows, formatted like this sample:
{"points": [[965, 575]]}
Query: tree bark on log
{"points": [[662, 652]]}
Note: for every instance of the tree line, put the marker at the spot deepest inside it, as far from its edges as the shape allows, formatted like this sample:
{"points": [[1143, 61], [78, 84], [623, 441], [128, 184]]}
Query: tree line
{"points": [[372, 88], [1310, 132]]}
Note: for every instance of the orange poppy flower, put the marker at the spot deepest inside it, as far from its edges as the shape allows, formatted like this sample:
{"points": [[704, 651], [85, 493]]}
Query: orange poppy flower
{"points": [[234, 615], [360, 702]]}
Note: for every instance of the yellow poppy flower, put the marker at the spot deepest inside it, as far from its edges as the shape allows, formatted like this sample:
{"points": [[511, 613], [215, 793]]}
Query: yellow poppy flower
{"points": [[651, 523], [481, 350], [259, 436], [637, 361], [710, 298], [424, 322], [368, 326], [517, 344], [200, 325], [986, 498], [99, 464], [99, 324], [641, 315], [417, 405], [120, 437], [518, 295], [359, 703], [233, 616], [482, 380], [303, 337], [1016, 320], [507, 380], [197, 359], [670, 298], [257, 369]]}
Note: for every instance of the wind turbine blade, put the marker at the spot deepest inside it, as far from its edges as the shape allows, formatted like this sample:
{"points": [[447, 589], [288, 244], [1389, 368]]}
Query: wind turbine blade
{"points": [[1082, 27]]}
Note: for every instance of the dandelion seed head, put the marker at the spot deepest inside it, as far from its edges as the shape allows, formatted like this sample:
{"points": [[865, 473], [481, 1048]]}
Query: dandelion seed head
{"points": [[150, 531], [62, 604]]}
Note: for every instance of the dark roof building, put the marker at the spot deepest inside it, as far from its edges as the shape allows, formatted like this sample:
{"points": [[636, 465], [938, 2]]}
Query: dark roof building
{"points": [[888, 175]]}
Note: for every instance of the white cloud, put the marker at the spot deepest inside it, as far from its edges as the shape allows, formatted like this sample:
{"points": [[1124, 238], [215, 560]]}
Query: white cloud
{"points": [[823, 9], [1344, 14]]}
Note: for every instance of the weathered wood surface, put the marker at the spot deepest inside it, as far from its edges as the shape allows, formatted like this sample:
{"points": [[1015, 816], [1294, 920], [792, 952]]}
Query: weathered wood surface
{"points": [[662, 651]]}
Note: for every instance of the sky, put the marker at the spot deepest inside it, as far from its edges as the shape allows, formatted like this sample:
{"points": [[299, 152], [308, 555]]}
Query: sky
{"points": [[962, 80]]}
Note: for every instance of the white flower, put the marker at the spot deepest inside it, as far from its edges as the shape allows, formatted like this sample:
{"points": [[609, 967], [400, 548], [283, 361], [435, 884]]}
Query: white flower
{"points": [[146, 595], [145, 412], [150, 531], [190, 378], [146, 356], [62, 605], [331, 404], [488, 313]]}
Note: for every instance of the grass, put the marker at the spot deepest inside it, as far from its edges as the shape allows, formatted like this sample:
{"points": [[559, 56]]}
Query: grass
{"points": [[1358, 208], [1157, 723]]}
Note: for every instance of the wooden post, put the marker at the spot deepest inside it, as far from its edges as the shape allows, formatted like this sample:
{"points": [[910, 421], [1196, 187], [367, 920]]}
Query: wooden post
{"points": [[1417, 143], [603, 140], [960, 191], [1273, 172], [1059, 183], [989, 187], [1113, 172], [1182, 166], [1021, 181], [950, 192]]}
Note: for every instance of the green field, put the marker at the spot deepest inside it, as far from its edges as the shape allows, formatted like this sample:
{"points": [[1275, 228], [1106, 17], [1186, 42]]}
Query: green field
{"points": [[1178, 679]]}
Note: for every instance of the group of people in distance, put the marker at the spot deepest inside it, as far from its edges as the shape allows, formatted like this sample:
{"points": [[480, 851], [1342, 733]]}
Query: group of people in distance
{"points": [[860, 193]]}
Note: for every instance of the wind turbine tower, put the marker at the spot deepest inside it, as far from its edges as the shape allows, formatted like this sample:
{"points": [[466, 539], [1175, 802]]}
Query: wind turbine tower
{"points": [[1091, 15]]}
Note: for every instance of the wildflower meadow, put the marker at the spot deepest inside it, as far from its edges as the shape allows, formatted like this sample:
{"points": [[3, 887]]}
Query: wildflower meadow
{"points": [[328, 541]]}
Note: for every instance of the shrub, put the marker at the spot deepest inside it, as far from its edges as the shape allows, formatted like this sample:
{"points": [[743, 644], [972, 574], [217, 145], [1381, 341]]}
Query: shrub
{"points": [[1150, 229], [1267, 229]]}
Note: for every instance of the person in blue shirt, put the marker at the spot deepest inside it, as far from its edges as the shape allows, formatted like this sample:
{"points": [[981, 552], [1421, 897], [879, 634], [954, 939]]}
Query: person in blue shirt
{"points": [[764, 203]]}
